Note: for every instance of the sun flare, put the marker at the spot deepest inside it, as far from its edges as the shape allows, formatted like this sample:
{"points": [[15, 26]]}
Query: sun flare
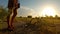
{"points": [[48, 11]]}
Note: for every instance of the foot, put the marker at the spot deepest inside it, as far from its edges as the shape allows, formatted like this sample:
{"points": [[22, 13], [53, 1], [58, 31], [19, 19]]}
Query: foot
{"points": [[10, 29]]}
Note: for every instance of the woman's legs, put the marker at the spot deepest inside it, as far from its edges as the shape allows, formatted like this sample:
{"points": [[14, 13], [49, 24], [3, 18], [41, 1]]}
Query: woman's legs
{"points": [[13, 16], [10, 18]]}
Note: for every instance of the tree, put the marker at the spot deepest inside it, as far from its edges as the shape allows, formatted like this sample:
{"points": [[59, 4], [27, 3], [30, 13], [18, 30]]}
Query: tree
{"points": [[29, 16], [56, 16], [3, 12]]}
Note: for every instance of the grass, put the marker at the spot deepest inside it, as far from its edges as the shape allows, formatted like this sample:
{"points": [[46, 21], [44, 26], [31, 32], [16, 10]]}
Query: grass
{"points": [[34, 26]]}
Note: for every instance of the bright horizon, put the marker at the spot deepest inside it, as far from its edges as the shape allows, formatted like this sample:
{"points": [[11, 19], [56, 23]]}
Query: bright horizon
{"points": [[49, 11]]}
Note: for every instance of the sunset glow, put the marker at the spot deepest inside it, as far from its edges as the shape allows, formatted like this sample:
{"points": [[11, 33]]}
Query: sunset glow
{"points": [[48, 11]]}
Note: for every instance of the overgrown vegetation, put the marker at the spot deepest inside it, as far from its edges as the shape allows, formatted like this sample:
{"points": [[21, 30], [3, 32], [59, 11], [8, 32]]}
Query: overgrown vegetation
{"points": [[45, 25], [3, 13]]}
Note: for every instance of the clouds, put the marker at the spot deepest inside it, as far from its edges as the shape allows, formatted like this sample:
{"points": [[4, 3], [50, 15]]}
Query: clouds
{"points": [[25, 11]]}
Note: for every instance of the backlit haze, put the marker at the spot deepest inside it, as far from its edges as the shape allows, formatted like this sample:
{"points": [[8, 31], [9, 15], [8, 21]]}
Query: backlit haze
{"points": [[37, 7]]}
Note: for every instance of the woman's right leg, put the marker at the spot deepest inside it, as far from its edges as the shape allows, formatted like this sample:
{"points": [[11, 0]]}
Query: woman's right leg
{"points": [[9, 18]]}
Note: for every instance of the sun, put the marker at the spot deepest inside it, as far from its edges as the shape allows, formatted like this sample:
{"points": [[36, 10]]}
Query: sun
{"points": [[49, 11]]}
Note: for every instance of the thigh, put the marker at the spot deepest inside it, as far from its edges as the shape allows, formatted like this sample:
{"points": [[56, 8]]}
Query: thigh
{"points": [[14, 11]]}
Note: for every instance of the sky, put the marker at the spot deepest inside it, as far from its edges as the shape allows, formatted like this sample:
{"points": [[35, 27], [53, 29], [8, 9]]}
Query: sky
{"points": [[34, 7]]}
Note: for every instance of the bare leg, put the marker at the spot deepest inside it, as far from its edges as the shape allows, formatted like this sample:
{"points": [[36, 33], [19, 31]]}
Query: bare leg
{"points": [[14, 15], [8, 18]]}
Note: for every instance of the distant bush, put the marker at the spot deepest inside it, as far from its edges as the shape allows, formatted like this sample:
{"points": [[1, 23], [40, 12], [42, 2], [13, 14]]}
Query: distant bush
{"points": [[29, 16]]}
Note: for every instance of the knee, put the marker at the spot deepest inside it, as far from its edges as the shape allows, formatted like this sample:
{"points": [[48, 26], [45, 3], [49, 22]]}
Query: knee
{"points": [[15, 12]]}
